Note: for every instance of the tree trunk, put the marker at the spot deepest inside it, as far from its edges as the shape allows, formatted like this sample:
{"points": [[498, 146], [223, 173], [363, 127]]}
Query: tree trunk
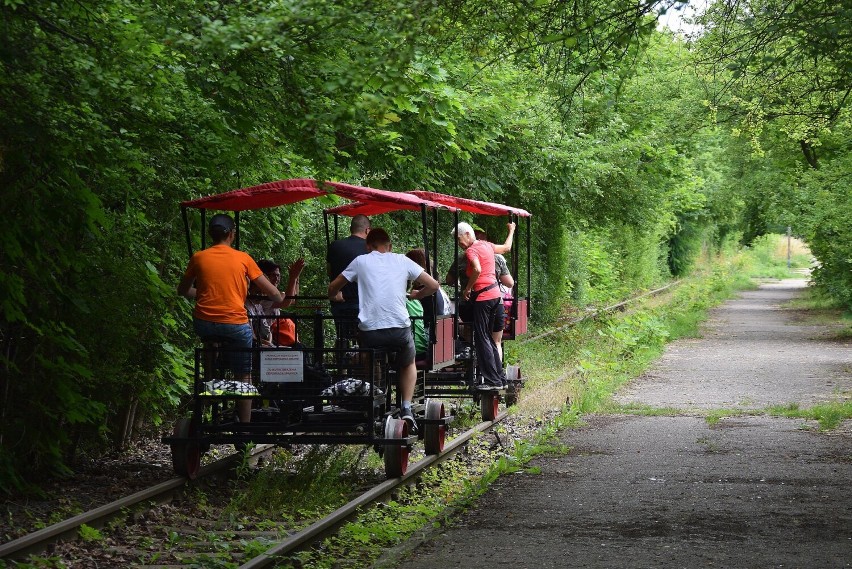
{"points": [[124, 432], [810, 154]]}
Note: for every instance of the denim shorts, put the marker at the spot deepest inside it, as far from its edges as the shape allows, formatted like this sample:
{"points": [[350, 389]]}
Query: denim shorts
{"points": [[233, 336]]}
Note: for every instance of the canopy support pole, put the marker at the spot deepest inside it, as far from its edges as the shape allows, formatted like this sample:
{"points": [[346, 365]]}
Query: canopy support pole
{"points": [[185, 216]]}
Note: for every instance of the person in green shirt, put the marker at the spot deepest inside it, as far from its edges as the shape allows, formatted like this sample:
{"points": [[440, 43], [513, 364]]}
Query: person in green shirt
{"points": [[421, 344]]}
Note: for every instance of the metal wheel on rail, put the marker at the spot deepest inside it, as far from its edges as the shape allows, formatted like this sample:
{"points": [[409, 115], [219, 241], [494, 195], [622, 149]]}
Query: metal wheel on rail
{"points": [[490, 405], [434, 435], [513, 374], [186, 455], [396, 455]]}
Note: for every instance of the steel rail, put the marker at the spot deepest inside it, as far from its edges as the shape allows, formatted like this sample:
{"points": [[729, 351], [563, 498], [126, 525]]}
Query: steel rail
{"points": [[600, 311], [37, 541], [327, 524]]}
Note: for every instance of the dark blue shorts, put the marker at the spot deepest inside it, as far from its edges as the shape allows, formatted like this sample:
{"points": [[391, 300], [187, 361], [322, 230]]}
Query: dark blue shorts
{"points": [[400, 339]]}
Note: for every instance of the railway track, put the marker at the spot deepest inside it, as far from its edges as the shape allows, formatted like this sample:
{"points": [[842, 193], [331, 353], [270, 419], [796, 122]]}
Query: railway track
{"points": [[228, 539], [37, 541], [280, 546]]}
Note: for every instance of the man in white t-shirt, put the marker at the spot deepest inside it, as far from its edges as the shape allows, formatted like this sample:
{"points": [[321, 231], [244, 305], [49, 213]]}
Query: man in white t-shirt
{"points": [[383, 322]]}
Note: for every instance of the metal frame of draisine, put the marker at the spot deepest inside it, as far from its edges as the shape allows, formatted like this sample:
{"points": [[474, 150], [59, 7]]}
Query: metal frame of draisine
{"points": [[315, 394]]}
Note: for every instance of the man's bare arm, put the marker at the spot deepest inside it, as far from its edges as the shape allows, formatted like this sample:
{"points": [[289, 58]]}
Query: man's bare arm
{"points": [[268, 289], [292, 288], [335, 287], [430, 286], [185, 287]]}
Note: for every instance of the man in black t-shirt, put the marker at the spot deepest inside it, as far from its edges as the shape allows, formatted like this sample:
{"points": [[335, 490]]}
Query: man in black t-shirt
{"points": [[344, 307]]}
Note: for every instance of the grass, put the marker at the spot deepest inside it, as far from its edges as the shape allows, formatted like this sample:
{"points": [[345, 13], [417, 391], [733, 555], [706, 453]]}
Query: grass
{"points": [[767, 257], [291, 489], [713, 416], [828, 415]]}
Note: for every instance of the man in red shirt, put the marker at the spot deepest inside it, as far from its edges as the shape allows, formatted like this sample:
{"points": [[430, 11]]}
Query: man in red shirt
{"points": [[218, 279], [483, 292]]}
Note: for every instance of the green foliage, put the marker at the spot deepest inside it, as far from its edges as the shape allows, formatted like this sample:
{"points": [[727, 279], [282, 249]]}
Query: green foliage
{"points": [[685, 245], [317, 486], [823, 203], [780, 61], [779, 72], [115, 111], [767, 256], [88, 533]]}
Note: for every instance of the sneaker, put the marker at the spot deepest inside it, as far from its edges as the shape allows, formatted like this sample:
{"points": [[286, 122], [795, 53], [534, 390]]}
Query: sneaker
{"points": [[407, 415], [463, 355]]}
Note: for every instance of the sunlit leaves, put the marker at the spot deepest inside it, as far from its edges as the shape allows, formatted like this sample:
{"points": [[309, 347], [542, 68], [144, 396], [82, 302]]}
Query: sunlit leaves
{"points": [[790, 59]]}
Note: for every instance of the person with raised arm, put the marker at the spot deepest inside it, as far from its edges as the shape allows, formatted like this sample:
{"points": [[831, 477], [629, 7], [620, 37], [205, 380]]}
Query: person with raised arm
{"points": [[482, 290]]}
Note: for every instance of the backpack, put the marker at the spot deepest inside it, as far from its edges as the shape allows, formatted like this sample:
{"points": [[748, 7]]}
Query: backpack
{"points": [[444, 307]]}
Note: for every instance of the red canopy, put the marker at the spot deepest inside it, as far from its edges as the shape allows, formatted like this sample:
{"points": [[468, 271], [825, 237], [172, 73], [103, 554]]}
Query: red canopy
{"points": [[271, 194], [371, 208], [431, 199], [370, 201], [472, 206]]}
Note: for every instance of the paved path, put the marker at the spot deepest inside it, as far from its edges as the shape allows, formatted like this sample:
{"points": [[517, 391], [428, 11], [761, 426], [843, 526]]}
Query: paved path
{"points": [[642, 491]]}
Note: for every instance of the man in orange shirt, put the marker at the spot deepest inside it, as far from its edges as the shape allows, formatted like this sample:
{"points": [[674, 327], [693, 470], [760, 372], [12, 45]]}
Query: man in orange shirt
{"points": [[218, 279]]}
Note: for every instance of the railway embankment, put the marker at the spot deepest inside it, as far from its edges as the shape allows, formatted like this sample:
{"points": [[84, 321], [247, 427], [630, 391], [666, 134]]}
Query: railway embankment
{"points": [[717, 456]]}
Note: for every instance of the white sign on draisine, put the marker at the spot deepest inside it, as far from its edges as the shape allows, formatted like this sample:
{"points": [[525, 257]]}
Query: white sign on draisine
{"points": [[282, 366]]}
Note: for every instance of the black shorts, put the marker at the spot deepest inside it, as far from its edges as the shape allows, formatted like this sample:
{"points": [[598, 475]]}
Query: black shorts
{"points": [[465, 311], [400, 339], [499, 318], [345, 316]]}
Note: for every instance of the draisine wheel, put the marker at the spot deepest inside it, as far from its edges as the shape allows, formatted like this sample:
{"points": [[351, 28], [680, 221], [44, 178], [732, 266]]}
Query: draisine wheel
{"points": [[434, 435], [513, 374], [186, 455], [396, 456], [490, 406], [511, 395]]}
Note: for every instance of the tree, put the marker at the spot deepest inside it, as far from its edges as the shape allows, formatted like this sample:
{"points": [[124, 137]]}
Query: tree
{"points": [[780, 72], [114, 111], [780, 61]]}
